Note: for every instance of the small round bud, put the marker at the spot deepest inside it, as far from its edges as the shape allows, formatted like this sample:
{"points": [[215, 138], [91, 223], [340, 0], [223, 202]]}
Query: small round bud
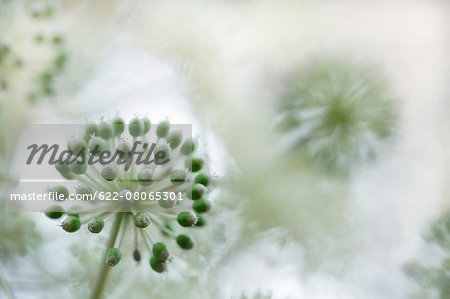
{"points": [[126, 198], [157, 265], [64, 169], [77, 146], [159, 149], [123, 149], [109, 172], [136, 127], [90, 130], [196, 192], [201, 220], [188, 147], [185, 241], [84, 190], [203, 179], [61, 192], [79, 166], [168, 226], [137, 255], [147, 125], [201, 206], [54, 212], [160, 251], [118, 125], [97, 145], [142, 219], [163, 129], [105, 130], [194, 164], [71, 224], [168, 203], [174, 139], [113, 257], [95, 225], [145, 177], [178, 176], [187, 218]]}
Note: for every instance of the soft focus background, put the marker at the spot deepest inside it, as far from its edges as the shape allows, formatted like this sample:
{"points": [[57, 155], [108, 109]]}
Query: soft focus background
{"points": [[286, 228]]}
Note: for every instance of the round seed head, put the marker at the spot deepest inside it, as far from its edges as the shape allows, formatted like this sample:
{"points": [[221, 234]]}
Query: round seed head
{"points": [[188, 147], [157, 265], [54, 212], [178, 176], [109, 172], [118, 125], [174, 139], [60, 190], [163, 129], [145, 177], [203, 179], [187, 218], [71, 224], [142, 219], [123, 149], [196, 192], [95, 225], [136, 127], [201, 220], [167, 203], [97, 145], [105, 129], [113, 257], [147, 125], [126, 198], [160, 251], [194, 164], [185, 241], [78, 166], [90, 130], [201, 206], [77, 146]]}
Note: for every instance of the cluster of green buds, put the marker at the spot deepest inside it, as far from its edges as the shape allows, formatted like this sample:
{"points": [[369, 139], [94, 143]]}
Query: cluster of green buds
{"points": [[336, 113], [174, 181], [434, 280]]}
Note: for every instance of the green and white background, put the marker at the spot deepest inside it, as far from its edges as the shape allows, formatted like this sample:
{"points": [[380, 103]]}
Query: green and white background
{"points": [[325, 123]]}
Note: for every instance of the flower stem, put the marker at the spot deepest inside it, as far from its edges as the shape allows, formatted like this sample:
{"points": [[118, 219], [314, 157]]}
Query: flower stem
{"points": [[104, 270]]}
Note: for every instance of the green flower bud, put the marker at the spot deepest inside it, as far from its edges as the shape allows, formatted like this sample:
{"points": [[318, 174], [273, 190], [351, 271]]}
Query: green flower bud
{"points": [[84, 190], [105, 130], [163, 129], [145, 177], [188, 147], [168, 203], [160, 251], [169, 226], [201, 220], [142, 219], [136, 127], [178, 176], [194, 164], [97, 145], [90, 130], [157, 265], [109, 172], [118, 125], [123, 149], [113, 257], [147, 125], [54, 212], [77, 146], [187, 218], [174, 139], [64, 169], [126, 198], [95, 225], [185, 241], [203, 179], [60, 190], [137, 255], [201, 206], [71, 224], [77, 167], [196, 192], [164, 148]]}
